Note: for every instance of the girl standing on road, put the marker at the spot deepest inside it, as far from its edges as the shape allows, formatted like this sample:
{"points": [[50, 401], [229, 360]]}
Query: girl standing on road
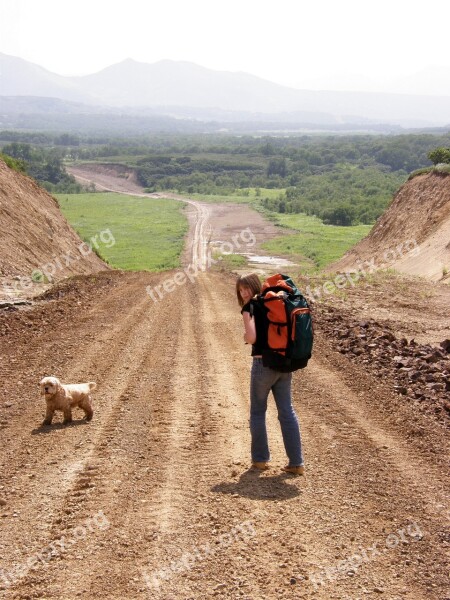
{"points": [[262, 381]]}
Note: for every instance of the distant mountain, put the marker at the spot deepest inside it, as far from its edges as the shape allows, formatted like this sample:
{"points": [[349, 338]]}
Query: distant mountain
{"points": [[19, 77], [174, 86], [172, 83]]}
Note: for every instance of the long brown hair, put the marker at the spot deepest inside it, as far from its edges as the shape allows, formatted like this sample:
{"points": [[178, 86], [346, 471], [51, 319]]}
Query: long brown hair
{"points": [[251, 281]]}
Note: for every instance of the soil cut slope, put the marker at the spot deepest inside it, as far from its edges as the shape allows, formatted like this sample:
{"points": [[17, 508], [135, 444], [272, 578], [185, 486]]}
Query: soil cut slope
{"points": [[34, 235], [413, 235]]}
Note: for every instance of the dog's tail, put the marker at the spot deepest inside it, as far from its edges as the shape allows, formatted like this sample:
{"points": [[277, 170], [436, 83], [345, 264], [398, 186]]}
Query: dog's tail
{"points": [[92, 385]]}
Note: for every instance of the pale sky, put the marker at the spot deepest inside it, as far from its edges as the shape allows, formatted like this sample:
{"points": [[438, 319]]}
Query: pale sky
{"points": [[328, 44]]}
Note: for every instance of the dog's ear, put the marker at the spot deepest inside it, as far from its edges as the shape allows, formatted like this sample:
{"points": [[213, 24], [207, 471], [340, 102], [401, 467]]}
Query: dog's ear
{"points": [[42, 384], [60, 388]]}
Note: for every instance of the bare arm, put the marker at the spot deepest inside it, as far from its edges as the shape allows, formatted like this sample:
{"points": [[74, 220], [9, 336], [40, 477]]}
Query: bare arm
{"points": [[250, 329]]}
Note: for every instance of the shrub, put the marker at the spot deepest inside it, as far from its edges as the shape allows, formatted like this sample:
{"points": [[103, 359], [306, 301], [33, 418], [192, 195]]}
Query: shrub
{"points": [[13, 163], [440, 155]]}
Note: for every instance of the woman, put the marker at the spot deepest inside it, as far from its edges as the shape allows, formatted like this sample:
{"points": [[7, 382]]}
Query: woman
{"points": [[262, 381]]}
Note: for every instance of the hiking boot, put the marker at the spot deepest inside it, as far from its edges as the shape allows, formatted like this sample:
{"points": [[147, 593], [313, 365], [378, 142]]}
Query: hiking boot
{"points": [[262, 466], [294, 470]]}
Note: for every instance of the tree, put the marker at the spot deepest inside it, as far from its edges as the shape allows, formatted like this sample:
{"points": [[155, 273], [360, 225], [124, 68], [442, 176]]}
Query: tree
{"points": [[439, 155], [13, 163], [341, 215], [277, 166], [267, 149], [18, 150]]}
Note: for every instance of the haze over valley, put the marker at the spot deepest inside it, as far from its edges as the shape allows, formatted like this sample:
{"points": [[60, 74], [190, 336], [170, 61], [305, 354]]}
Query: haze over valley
{"points": [[185, 90]]}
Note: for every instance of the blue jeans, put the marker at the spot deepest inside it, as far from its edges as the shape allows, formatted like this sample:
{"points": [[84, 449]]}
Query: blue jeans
{"points": [[263, 380]]}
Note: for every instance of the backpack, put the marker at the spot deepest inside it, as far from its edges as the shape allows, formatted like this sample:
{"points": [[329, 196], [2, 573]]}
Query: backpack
{"points": [[289, 325]]}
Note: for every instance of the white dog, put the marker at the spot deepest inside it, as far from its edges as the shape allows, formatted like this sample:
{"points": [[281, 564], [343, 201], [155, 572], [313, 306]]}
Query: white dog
{"points": [[65, 397]]}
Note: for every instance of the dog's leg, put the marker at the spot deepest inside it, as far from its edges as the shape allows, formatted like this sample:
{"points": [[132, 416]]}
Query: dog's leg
{"points": [[87, 407], [48, 416], [67, 415]]}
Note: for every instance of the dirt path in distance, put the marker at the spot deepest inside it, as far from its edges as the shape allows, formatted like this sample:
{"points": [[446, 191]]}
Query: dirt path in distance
{"points": [[220, 225]]}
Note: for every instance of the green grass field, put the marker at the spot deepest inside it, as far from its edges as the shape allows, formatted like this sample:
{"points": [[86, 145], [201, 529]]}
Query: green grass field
{"points": [[315, 245], [148, 233]]}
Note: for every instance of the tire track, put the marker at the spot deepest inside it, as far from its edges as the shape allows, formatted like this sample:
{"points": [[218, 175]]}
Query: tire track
{"points": [[123, 463]]}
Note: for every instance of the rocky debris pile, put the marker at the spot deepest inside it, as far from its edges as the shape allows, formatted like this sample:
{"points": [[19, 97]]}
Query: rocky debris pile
{"points": [[55, 306], [419, 372]]}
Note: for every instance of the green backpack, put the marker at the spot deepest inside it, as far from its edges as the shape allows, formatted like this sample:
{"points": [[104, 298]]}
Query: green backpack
{"points": [[289, 325]]}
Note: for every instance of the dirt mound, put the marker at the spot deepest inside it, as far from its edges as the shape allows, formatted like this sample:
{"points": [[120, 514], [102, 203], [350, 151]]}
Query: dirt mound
{"points": [[36, 241], [412, 236]]}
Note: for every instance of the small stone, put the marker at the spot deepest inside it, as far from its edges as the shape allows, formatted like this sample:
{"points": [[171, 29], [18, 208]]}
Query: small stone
{"points": [[445, 344], [401, 389], [219, 586], [439, 387], [432, 357]]}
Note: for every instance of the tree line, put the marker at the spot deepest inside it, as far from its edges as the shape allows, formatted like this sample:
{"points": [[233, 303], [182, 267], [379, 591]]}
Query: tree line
{"points": [[343, 179], [43, 164]]}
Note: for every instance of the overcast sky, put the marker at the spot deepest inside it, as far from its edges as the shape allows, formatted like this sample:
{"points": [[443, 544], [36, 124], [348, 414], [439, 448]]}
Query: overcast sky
{"points": [[328, 44]]}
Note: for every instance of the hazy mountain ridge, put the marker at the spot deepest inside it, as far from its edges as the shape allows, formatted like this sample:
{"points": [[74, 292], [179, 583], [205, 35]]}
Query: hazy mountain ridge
{"points": [[19, 77], [171, 86]]}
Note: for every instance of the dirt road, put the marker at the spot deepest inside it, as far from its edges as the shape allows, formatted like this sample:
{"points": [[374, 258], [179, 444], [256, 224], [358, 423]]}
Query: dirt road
{"points": [[154, 498]]}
